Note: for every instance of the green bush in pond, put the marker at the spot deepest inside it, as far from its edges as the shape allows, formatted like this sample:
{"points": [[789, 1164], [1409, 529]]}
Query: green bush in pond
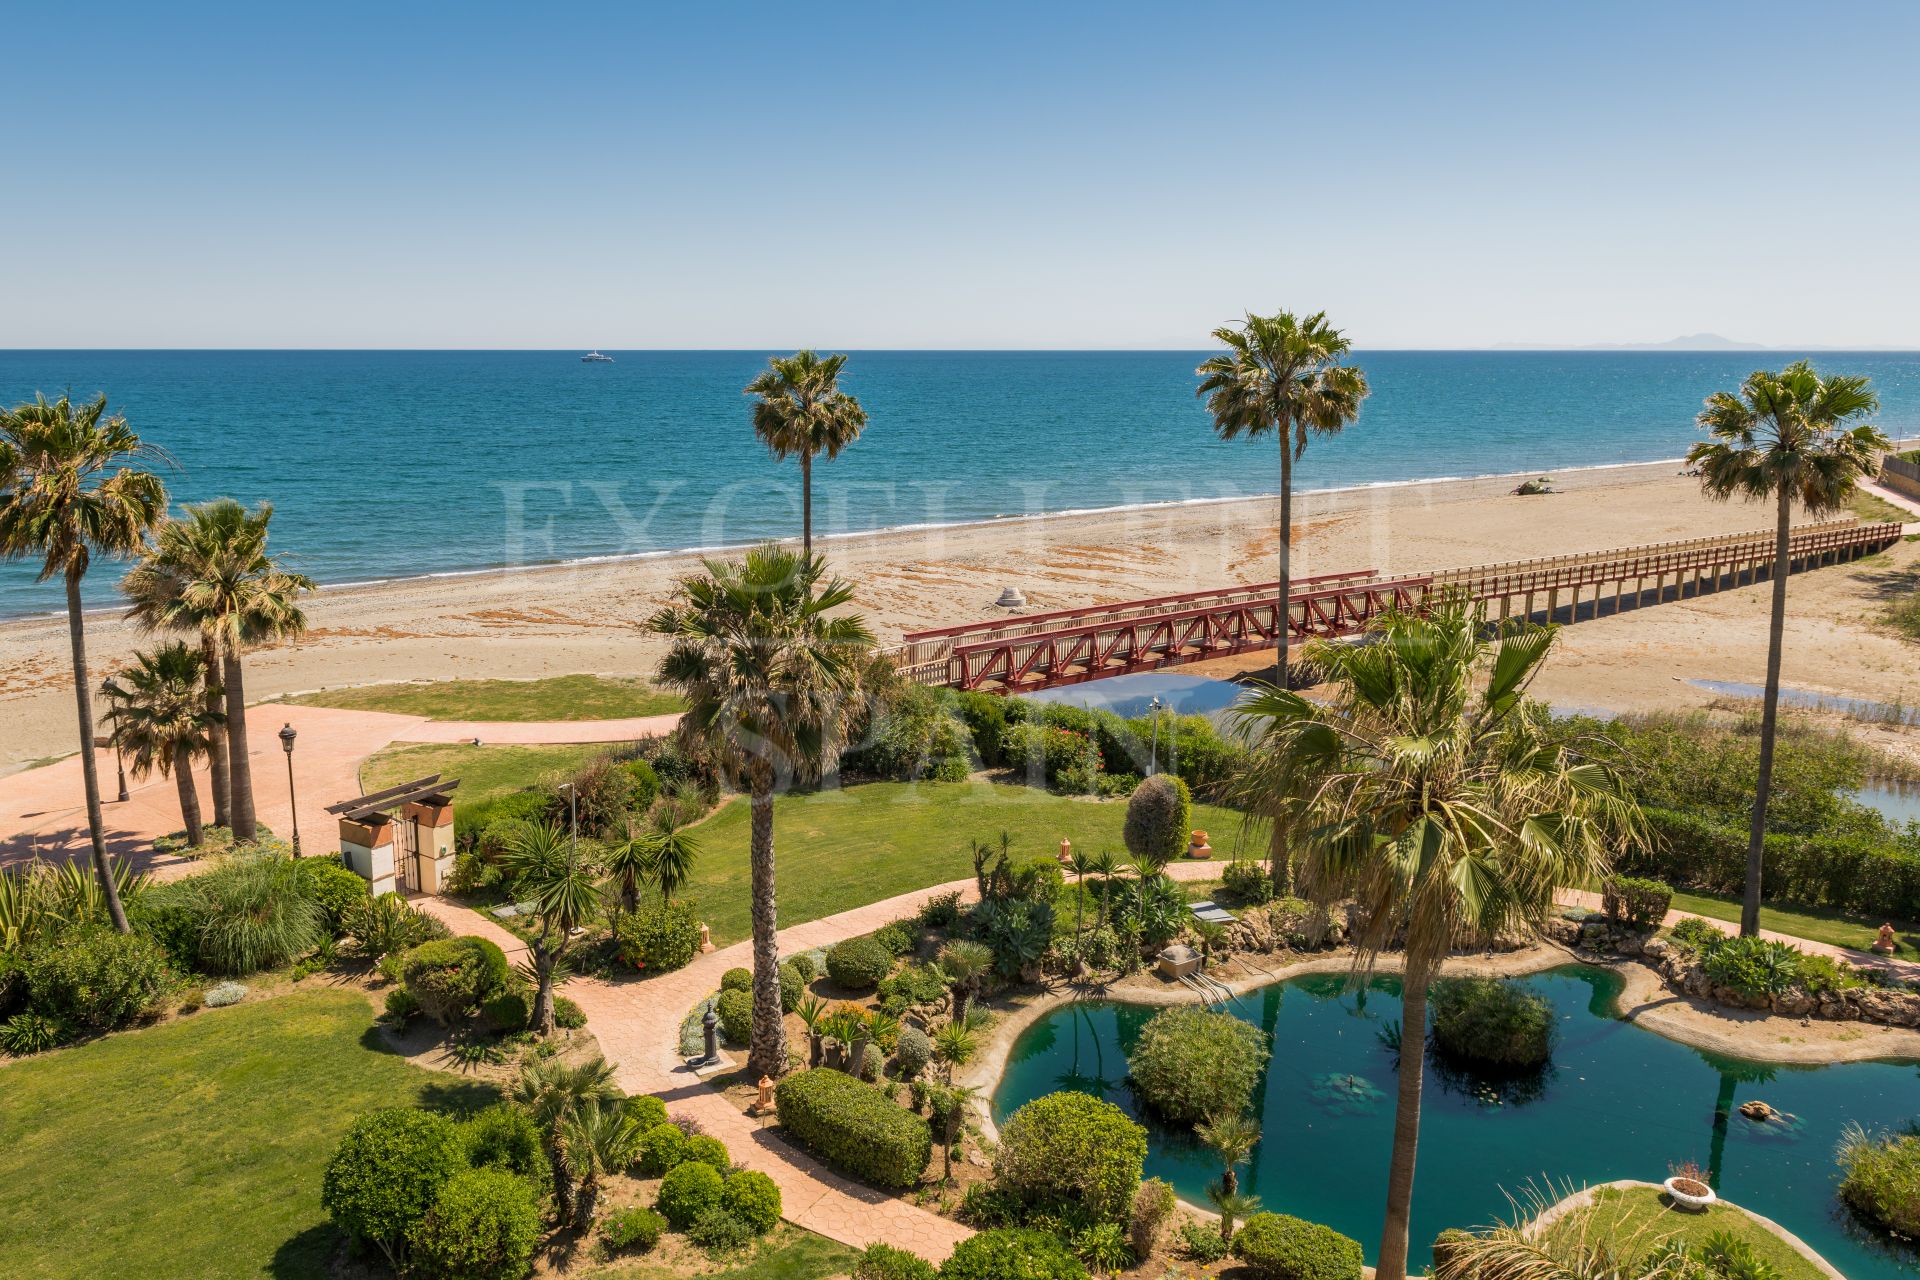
{"points": [[1276, 1246], [1070, 1148], [1494, 1022], [1190, 1063], [1881, 1179]]}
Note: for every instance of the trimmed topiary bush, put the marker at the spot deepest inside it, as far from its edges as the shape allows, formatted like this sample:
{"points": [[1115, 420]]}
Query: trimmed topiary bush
{"points": [[510, 1011], [454, 976], [1490, 1021], [645, 1111], [482, 1226], [659, 937], [1190, 1063], [858, 964], [1070, 1148], [506, 1137], [753, 1198], [737, 979], [688, 1190], [1637, 900], [636, 1228], [793, 987], [709, 1150], [736, 1016], [661, 1148], [1159, 818], [803, 963], [1012, 1253], [1279, 1247], [94, 978], [387, 1172], [1881, 1179], [854, 1128], [913, 1051], [884, 1262]]}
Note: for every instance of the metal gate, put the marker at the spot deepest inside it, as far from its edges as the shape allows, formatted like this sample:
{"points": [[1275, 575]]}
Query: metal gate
{"points": [[406, 855]]}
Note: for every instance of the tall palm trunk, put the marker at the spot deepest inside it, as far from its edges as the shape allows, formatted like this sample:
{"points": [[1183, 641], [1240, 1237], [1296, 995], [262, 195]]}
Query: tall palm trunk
{"points": [[806, 503], [219, 780], [240, 768], [1406, 1126], [768, 1054], [189, 799], [89, 767], [1284, 615], [542, 1020], [1769, 717]]}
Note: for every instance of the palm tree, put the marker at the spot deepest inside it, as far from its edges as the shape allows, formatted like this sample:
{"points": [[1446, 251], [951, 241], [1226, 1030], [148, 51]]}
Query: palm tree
{"points": [[954, 1100], [1282, 374], [1106, 866], [553, 1093], [628, 863], [601, 1139], [178, 553], [1080, 865], [1436, 796], [160, 719], [802, 413], [547, 869], [671, 852], [233, 588], [766, 672], [72, 485], [1232, 1138], [1785, 436], [965, 962], [1232, 1206]]}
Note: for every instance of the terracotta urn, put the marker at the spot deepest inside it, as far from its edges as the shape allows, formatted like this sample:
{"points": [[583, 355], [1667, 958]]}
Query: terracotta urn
{"points": [[706, 939], [1199, 848], [1066, 851]]}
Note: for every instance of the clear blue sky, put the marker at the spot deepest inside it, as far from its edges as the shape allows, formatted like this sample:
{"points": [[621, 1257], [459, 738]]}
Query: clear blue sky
{"points": [[976, 175]]}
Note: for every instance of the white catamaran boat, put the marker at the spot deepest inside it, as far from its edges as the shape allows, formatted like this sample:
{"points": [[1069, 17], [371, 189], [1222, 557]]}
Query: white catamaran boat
{"points": [[594, 357]]}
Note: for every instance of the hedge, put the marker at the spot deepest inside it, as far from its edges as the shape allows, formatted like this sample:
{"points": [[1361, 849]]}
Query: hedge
{"points": [[1856, 874], [1280, 1247], [1189, 1063], [854, 1128], [1637, 900], [1070, 1148]]}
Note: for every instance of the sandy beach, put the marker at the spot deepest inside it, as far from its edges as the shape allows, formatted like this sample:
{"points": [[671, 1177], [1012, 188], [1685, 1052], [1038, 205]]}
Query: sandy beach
{"points": [[585, 618]]}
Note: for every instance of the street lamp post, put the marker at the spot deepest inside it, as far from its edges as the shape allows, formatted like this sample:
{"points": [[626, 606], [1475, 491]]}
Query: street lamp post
{"points": [[287, 735], [1153, 752]]}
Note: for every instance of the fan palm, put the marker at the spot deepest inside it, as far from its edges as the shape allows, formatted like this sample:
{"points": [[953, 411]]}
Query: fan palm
{"points": [[964, 962], [233, 588], [601, 1139], [1105, 865], [1233, 1207], [1232, 1138], [1436, 796], [548, 870], [954, 1101], [178, 553], [671, 852], [802, 413], [161, 721], [1785, 437], [766, 673], [1282, 374], [553, 1093], [74, 484]]}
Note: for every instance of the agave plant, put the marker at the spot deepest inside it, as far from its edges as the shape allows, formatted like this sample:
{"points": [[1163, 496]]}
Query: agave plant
{"points": [[813, 1013]]}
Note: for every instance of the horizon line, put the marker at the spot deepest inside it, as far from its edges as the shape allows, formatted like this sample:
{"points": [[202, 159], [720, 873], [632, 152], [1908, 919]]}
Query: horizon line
{"points": [[1497, 349]]}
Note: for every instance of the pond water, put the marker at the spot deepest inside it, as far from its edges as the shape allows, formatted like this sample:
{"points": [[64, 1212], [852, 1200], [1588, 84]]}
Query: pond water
{"points": [[1859, 708], [1131, 696], [1898, 802], [1618, 1101]]}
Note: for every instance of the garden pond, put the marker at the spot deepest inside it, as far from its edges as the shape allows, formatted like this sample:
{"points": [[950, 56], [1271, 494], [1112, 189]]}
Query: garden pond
{"points": [[1617, 1101]]}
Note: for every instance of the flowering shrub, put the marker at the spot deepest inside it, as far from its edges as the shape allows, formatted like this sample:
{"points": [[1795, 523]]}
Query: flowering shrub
{"points": [[1063, 759]]}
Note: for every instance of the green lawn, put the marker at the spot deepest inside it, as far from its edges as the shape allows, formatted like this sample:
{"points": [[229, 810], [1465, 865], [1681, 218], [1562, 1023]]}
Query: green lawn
{"points": [[560, 698], [1813, 923], [789, 1253], [1873, 508], [484, 772], [1624, 1213], [195, 1148], [839, 849]]}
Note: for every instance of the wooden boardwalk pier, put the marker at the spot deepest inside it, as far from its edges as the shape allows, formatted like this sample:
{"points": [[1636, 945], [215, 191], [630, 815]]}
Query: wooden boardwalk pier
{"points": [[1069, 646]]}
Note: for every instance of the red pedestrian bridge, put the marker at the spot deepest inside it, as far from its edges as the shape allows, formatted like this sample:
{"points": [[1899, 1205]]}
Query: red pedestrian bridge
{"points": [[1021, 653]]}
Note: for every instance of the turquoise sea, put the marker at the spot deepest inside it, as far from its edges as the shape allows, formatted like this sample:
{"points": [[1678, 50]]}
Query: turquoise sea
{"points": [[540, 458]]}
